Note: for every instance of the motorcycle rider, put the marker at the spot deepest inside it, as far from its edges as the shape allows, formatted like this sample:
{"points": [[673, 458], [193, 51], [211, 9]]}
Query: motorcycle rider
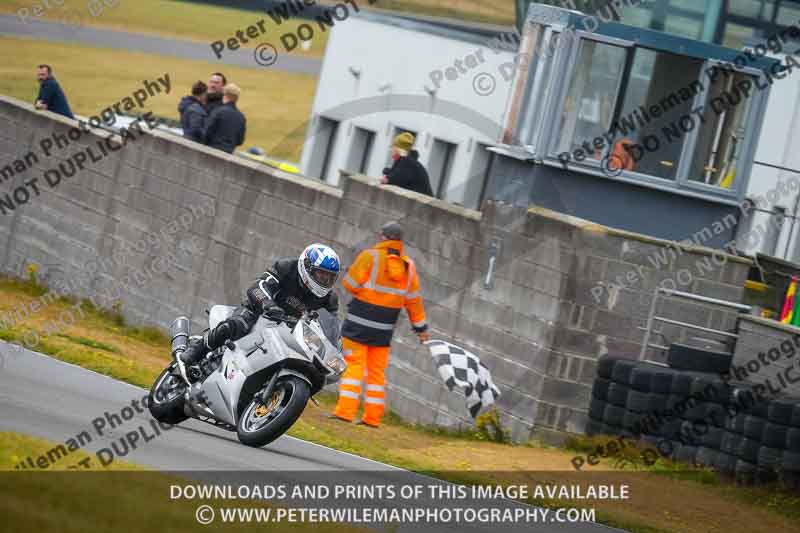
{"points": [[293, 286]]}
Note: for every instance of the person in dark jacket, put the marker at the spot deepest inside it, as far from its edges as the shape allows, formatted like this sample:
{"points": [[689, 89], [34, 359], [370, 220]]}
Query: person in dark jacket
{"points": [[226, 125], [293, 286], [216, 84], [407, 172], [193, 113], [51, 97]]}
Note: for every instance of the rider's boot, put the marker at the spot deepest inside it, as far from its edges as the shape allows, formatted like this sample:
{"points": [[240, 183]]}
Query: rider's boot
{"points": [[193, 354]]}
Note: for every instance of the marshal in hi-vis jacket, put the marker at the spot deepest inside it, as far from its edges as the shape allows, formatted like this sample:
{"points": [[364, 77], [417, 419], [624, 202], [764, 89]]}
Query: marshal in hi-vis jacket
{"points": [[382, 281]]}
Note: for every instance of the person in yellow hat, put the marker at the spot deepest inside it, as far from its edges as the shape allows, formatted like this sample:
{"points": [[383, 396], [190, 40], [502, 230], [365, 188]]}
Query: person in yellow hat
{"points": [[407, 172]]}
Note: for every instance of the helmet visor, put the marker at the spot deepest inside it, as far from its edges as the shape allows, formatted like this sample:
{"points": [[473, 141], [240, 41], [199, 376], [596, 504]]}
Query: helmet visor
{"points": [[325, 278]]}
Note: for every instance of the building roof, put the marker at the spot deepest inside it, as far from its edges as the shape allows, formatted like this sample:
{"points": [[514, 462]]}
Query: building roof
{"points": [[476, 32]]}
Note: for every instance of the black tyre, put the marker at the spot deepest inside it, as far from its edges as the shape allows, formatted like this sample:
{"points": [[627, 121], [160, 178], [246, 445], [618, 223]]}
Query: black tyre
{"points": [[614, 415], [791, 462], [656, 402], [698, 413], [730, 443], [741, 396], [600, 389], [748, 450], [735, 424], [774, 435], [682, 384], [638, 402], [641, 378], [692, 433], [671, 429], [709, 389], [596, 409], [618, 394], [793, 440], [780, 411], [661, 380], [622, 371], [713, 438], [684, 357], [259, 424], [795, 421], [725, 463], [770, 458], [717, 414], [753, 427], [686, 454], [594, 427], [705, 456], [605, 366], [166, 397]]}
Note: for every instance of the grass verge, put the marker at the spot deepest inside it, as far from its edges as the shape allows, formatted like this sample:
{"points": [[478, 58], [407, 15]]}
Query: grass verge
{"points": [[122, 498], [658, 503]]}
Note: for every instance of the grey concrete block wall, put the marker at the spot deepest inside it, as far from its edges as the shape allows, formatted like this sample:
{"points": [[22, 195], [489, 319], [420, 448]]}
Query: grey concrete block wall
{"points": [[768, 353], [540, 327]]}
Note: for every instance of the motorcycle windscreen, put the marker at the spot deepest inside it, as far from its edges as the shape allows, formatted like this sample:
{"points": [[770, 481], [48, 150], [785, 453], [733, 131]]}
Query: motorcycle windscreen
{"points": [[330, 326]]}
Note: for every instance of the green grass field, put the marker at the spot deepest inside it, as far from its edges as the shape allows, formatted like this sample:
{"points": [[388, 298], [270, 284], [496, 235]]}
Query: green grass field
{"points": [[275, 103]]}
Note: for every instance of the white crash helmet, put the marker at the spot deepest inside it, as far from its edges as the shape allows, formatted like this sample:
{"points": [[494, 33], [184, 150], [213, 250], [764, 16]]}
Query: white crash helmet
{"points": [[319, 267]]}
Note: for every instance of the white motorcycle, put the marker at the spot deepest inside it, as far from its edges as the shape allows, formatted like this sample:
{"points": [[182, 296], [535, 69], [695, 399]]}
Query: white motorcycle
{"points": [[257, 386]]}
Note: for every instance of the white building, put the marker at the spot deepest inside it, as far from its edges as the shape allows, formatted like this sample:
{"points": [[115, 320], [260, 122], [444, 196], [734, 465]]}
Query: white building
{"points": [[773, 228], [445, 81]]}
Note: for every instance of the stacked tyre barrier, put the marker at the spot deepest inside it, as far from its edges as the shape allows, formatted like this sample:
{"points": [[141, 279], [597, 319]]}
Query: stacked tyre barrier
{"points": [[699, 418]]}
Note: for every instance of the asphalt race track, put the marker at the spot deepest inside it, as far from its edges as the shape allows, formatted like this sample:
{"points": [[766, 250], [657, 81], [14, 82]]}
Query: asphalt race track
{"points": [[47, 398], [11, 26]]}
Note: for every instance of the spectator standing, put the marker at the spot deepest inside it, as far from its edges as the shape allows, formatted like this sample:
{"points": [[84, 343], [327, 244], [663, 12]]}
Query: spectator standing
{"points": [[216, 84], [382, 281], [407, 172], [226, 125], [51, 97], [193, 112]]}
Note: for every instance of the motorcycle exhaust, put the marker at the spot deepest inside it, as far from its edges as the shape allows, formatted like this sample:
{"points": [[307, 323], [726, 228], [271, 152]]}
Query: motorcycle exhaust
{"points": [[179, 331]]}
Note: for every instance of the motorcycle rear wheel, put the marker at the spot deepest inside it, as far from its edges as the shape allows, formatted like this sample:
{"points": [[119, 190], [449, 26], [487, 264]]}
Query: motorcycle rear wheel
{"points": [[166, 397], [261, 424]]}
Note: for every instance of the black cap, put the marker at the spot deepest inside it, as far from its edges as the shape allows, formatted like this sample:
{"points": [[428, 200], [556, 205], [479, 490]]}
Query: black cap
{"points": [[392, 231]]}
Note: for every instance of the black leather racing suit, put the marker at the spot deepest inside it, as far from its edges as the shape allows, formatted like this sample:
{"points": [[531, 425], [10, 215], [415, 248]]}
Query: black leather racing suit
{"points": [[280, 287]]}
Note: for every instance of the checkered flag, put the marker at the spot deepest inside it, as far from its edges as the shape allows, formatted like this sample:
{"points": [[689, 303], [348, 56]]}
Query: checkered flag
{"points": [[460, 368]]}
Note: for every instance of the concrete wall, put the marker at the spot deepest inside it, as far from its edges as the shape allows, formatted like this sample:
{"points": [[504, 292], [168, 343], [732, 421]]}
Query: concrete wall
{"points": [[768, 353], [563, 293]]}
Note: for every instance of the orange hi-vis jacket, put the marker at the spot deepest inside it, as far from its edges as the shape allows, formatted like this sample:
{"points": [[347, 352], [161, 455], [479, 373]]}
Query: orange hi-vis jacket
{"points": [[382, 281]]}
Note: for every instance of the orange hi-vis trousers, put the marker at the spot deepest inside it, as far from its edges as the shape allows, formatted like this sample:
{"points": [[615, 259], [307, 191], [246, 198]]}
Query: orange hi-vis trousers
{"points": [[368, 362]]}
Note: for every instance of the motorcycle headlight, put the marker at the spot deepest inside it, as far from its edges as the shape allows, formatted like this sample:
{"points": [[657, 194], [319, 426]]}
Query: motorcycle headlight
{"points": [[337, 364], [313, 341]]}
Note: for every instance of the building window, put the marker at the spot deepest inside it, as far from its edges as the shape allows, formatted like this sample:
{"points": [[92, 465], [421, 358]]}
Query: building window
{"points": [[660, 89], [636, 112], [467, 189], [756, 9], [360, 150], [588, 107], [440, 165], [719, 141], [325, 141]]}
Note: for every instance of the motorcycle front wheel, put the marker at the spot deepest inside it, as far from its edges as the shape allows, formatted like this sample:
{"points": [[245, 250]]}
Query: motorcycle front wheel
{"points": [[261, 424], [166, 397]]}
